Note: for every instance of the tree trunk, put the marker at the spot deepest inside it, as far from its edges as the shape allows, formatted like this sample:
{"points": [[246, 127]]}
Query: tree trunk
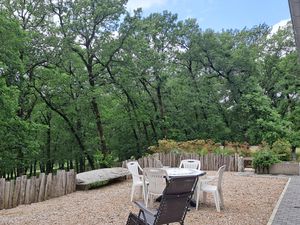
{"points": [[146, 134], [100, 129], [34, 168], [48, 149], [161, 112]]}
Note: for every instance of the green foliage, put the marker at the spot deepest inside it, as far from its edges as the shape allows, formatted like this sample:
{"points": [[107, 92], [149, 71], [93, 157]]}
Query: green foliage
{"points": [[12, 41], [223, 151], [298, 154], [202, 151], [283, 149], [264, 159], [105, 161], [98, 184], [104, 85]]}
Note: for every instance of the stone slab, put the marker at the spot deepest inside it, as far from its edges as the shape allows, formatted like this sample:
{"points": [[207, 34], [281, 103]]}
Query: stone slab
{"points": [[100, 177], [286, 168]]}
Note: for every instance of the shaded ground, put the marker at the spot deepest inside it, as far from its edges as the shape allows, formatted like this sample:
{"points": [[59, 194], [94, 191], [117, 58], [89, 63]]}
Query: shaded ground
{"points": [[248, 200]]}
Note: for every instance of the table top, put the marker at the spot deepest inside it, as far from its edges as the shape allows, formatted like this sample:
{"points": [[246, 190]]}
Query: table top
{"points": [[180, 172]]}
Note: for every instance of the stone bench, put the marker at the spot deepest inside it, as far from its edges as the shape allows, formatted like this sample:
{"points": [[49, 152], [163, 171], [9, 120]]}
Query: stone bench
{"points": [[100, 177]]}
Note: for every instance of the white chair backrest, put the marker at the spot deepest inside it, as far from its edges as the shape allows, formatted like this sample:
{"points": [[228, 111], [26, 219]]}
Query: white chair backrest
{"points": [[133, 168], [158, 163], [190, 163], [156, 178], [220, 176]]}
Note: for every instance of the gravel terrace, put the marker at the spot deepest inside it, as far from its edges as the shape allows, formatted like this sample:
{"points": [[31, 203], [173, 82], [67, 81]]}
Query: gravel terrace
{"points": [[248, 200]]}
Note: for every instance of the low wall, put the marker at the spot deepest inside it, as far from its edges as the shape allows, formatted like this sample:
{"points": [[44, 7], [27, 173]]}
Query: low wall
{"points": [[286, 168]]}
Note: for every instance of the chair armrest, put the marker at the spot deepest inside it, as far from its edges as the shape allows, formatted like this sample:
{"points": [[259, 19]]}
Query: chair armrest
{"points": [[211, 178], [142, 207], [206, 180]]}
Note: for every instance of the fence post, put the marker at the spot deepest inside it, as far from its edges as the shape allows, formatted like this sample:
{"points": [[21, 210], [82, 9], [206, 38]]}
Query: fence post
{"points": [[16, 195], [42, 187], [241, 164], [37, 189], [23, 189], [6, 194], [32, 189], [48, 189], [2, 188], [27, 192]]}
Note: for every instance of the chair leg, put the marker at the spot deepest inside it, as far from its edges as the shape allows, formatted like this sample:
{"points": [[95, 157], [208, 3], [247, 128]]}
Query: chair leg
{"points": [[197, 198], [144, 192], [132, 192], [146, 200], [221, 198], [217, 200], [204, 196]]}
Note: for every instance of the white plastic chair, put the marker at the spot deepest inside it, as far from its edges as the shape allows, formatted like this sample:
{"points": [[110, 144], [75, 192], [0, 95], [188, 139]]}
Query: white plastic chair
{"points": [[190, 163], [156, 183], [215, 190], [137, 179]]}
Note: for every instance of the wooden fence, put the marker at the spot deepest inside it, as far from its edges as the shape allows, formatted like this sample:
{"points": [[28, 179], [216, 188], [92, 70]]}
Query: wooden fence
{"points": [[208, 162], [26, 191]]}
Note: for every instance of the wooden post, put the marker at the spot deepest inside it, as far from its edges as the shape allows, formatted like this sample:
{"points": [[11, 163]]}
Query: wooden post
{"points": [[74, 180], [53, 187], [16, 195], [32, 189], [2, 192], [236, 157], [41, 197], [70, 182], [11, 193], [47, 187], [241, 164], [23, 189], [27, 192], [64, 181], [37, 189], [6, 195]]}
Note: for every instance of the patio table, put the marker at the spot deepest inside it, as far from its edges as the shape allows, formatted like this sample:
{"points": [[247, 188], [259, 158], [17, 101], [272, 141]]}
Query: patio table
{"points": [[179, 172], [182, 172]]}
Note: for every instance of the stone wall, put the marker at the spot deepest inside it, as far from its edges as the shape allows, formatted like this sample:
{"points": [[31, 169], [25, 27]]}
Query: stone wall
{"points": [[286, 168]]}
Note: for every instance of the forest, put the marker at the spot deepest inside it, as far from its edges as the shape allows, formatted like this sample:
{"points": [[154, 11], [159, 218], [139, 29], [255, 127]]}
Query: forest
{"points": [[86, 83]]}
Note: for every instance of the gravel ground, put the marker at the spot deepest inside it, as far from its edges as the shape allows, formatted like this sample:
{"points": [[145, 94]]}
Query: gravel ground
{"points": [[248, 200]]}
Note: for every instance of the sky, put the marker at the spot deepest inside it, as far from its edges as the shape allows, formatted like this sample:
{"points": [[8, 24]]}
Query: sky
{"points": [[220, 14]]}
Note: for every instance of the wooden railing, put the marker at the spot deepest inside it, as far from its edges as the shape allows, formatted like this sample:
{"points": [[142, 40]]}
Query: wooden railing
{"points": [[208, 162], [26, 191]]}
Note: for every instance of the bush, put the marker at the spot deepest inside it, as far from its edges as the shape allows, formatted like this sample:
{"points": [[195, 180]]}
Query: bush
{"points": [[283, 149], [223, 151], [263, 159], [202, 151], [168, 145], [243, 149], [105, 161]]}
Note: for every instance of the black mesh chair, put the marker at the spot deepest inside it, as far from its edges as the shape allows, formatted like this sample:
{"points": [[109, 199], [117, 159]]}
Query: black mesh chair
{"points": [[135, 220], [174, 202]]}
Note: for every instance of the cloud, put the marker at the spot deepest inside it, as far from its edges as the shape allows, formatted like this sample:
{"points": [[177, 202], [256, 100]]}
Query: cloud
{"points": [[144, 4], [279, 25]]}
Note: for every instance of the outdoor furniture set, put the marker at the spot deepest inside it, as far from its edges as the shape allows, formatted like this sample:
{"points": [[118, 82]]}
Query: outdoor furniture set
{"points": [[175, 188]]}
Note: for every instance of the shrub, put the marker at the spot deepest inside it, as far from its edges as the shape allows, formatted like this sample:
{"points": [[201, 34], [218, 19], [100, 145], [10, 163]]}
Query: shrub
{"points": [[202, 151], [223, 151], [243, 149], [263, 159], [105, 161], [283, 149]]}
